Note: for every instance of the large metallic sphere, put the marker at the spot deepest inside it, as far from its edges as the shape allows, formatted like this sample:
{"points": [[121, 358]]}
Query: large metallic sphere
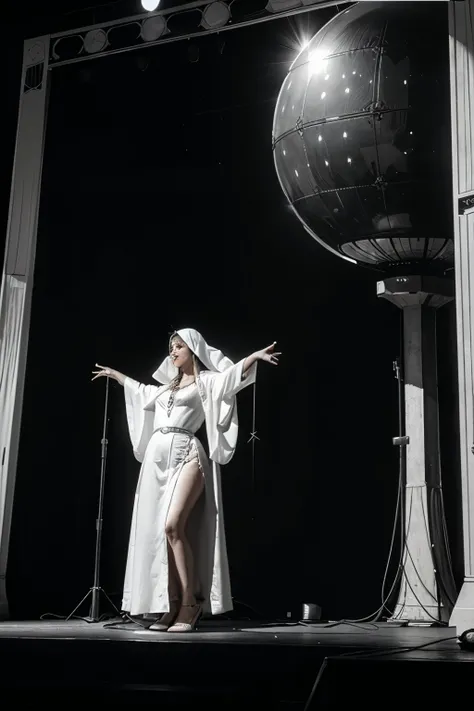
{"points": [[361, 136]]}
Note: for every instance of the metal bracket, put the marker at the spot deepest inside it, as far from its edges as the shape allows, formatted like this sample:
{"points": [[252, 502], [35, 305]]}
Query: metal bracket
{"points": [[401, 441]]}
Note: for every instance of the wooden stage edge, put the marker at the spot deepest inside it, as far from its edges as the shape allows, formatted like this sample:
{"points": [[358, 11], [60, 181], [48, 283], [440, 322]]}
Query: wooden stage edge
{"points": [[230, 664]]}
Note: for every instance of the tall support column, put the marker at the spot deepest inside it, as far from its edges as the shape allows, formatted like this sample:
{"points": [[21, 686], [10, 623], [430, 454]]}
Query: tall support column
{"points": [[420, 600], [461, 30], [17, 277]]}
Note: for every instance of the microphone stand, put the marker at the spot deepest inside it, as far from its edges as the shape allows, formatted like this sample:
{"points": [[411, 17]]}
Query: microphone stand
{"points": [[96, 590]]}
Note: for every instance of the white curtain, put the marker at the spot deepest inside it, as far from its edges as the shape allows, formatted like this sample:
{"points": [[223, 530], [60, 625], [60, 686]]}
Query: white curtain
{"points": [[12, 303]]}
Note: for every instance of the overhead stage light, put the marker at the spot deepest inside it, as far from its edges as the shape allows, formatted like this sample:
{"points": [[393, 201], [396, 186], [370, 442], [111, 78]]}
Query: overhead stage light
{"points": [[285, 5], [215, 15], [95, 41], [150, 5], [153, 28], [282, 5]]}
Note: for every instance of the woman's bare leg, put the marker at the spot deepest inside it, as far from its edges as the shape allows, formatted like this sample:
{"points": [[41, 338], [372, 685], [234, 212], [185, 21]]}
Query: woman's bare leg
{"points": [[174, 594], [188, 490], [174, 587]]}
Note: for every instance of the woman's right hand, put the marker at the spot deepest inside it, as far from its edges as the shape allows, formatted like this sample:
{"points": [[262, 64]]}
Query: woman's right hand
{"points": [[106, 372]]}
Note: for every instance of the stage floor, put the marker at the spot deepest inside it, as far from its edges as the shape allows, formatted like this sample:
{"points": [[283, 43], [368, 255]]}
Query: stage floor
{"points": [[226, 663], [339, 635]]}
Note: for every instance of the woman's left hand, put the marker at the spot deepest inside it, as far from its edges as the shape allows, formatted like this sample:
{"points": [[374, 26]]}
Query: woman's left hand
{"points": [[269, 355]]}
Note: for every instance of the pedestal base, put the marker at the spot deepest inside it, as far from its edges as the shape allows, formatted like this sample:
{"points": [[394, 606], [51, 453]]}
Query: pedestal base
{"points": [[415, 614], [462, 616], [423, 599]]}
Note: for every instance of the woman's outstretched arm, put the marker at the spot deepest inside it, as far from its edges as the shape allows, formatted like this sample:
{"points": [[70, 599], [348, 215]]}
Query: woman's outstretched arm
{"points": [[105, 372], [267, 354]]}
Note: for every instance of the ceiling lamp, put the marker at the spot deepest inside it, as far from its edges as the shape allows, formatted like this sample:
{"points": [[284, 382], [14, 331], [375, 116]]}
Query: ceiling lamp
{"points": [[150, 5], [215, 15], [282, 5], [153, 28]]}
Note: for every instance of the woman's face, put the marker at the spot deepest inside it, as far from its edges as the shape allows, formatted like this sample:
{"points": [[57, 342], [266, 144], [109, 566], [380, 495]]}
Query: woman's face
{"points": [[180, 353]]}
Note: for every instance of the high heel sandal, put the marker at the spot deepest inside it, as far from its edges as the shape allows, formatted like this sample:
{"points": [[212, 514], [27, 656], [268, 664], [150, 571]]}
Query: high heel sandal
{"points": [[188, 626], [167, 619]]}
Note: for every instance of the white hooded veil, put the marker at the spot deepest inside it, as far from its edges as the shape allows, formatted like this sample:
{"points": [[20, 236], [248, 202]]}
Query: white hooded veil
{"points": [[213, 359]]}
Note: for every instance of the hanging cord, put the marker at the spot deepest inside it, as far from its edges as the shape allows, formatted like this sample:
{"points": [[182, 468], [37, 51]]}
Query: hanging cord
{"points": [[253, 439]]}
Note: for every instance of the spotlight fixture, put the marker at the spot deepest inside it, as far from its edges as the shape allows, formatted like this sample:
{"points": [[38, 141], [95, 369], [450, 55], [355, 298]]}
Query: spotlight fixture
{"points": [[153, 28], [283, 5], [95, 41], [150, 5], [217, 14]]}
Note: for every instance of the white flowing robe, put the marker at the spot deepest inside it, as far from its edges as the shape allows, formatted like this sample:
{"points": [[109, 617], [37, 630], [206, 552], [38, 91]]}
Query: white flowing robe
{"points": [[211, 400]]}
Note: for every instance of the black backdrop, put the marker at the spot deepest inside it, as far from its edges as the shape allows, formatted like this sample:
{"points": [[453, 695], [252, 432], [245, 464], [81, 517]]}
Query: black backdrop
{"points": [[160, 209]]}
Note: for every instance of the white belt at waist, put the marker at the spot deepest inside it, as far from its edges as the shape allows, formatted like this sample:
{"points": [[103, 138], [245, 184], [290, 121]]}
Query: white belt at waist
{"points": [[177, 430]]}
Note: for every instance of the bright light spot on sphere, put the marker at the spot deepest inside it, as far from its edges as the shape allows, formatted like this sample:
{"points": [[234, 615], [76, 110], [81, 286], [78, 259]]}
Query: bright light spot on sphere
{"points": [[150, 5], [317, 63]]}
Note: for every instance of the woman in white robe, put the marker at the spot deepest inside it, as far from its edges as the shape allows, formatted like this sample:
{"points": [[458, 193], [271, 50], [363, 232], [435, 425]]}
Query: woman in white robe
{"points": [[177, 559]]}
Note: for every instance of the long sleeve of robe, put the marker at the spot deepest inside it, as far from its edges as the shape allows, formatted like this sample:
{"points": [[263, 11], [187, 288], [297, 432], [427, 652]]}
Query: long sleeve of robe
{"points": [[139, 408], [219, 399]]}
